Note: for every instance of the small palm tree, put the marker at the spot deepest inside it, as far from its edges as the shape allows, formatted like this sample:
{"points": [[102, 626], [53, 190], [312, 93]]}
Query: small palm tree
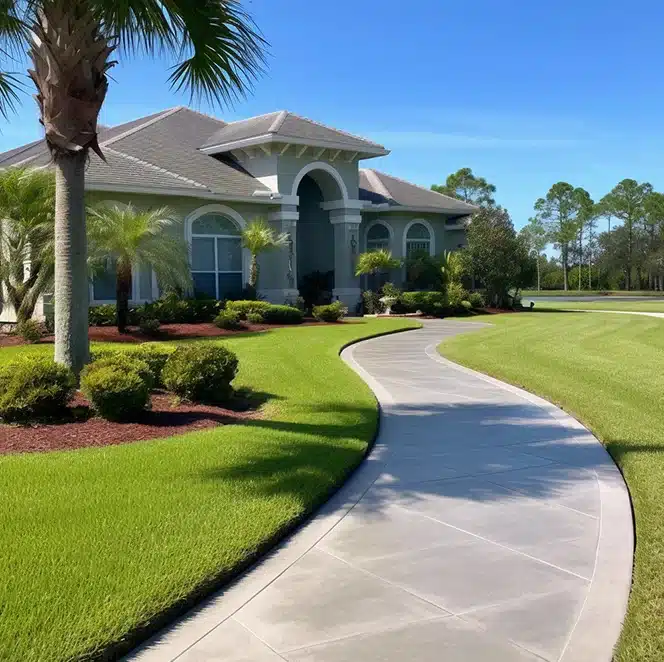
{"points": [[452, 267], [71, 44], [27, 204], [258, 237], [128, 237], [373, 262]]}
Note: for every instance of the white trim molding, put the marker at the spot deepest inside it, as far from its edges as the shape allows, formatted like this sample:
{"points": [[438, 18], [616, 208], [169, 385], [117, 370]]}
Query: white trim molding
{"points": [[432, 235], [320, 165]]}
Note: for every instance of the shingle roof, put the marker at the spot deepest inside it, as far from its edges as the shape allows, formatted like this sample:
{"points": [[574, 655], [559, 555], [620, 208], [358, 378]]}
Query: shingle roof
{"points": [[284, 125], [380, 188]]}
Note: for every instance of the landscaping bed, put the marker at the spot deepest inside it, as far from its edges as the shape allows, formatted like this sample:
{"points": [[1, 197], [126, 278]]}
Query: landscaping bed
{"points": [[608, 372], [80, 428]]}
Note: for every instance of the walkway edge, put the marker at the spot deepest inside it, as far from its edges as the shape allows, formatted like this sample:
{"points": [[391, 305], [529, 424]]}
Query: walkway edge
{"points": [[612, 579]]}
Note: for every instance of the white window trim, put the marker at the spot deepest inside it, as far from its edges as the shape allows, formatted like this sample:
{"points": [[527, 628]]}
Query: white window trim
{"points": [[432, 236], [390, 231], [237, 218], [321, 165]]}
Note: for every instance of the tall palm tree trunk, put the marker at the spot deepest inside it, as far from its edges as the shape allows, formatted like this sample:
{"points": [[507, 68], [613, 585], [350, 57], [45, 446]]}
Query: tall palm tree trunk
{"points": [[123, 293], [71, 269], [254, 271]]}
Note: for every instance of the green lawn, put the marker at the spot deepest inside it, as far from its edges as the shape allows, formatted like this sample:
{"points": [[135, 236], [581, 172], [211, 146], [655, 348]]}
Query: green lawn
{"points": [[590, 293], [608, 371], [96, 542], [639, 306]]}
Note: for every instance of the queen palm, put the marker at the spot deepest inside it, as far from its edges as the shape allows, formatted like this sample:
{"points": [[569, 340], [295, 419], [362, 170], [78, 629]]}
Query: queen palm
{"points": [[70, 44], [258, 237], [26, 237], [124, 237]]}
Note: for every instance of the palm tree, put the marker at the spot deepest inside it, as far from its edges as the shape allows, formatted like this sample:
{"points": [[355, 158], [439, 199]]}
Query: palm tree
{"points": [[26, 237], [126, 237], [70, 45], [372, 262], [258, 237]]}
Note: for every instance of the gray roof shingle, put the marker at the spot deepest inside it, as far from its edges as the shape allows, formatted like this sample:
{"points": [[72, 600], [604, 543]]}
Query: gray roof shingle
{"points": [[380, 188], [286, 125]]}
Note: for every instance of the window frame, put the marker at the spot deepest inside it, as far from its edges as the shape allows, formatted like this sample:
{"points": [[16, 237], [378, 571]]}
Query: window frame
{"points": [[390, 235], [431, 241]]}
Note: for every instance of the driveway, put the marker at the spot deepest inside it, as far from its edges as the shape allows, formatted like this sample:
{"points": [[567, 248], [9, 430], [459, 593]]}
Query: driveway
{"points": [[486, 524]]}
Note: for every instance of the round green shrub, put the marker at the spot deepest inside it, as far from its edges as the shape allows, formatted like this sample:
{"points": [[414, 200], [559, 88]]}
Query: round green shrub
{"points": [[33, 388], [255, 318], [155, 354], [149, 326], [476, 300], [333, 312], [282, 315], [29, 330], [243, 308], [229, 320], [114, 392], [201, 373], [456, 295], [127, 361]]}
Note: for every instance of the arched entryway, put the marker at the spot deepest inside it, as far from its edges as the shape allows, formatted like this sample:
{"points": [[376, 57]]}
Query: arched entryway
{"points": [[315, 234]]}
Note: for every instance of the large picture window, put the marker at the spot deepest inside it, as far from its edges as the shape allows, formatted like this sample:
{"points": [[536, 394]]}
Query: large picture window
{"points": [[378, 237], [216, 256], [418, 239]]}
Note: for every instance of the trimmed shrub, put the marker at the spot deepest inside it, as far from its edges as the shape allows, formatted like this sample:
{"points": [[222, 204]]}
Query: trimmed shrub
{"points": [[29, 330], [467, 306], [255, 318], [371, 301], [155, 355], [114, 392], [429, 303], [333, 312], [456, 295], [201, 373], [171, 309], [103, 315], [282, 315], [126, 362], [229, 320], [243, 308], [149, 326], [32, 388], [476, 300]]}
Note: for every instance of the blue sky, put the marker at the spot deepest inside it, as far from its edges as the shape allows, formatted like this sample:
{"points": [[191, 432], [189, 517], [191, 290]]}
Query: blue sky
{"points": [[525, 93]]}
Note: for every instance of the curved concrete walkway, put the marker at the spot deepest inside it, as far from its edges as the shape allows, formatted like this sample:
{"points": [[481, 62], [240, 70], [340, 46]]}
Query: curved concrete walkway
{"points": [[485, 525]]}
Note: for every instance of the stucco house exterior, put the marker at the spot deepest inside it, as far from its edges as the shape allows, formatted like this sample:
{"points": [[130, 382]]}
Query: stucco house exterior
{"points": [[303, 177]]}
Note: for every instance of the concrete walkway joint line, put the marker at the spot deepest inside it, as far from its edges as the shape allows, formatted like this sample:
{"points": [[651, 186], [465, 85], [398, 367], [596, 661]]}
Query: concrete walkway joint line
{"points": [[486, 524]]}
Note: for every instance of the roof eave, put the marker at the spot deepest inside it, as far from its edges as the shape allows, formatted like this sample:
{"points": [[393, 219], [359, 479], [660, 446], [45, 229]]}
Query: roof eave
{"points": [[423, 209]]}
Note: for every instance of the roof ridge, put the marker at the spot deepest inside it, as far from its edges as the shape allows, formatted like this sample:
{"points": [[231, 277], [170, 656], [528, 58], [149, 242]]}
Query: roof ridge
{"points": [[166, 113], [156, 167], [428, 190], [255, 117], [210, 117], [278, 121], [332, 128], [377, 182]]}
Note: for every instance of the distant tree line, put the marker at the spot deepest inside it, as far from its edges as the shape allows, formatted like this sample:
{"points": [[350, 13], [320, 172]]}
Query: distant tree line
{"points": [[614, 243]]}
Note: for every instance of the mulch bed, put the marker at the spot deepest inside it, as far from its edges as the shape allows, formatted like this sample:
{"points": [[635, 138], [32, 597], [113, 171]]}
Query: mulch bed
{"points": [[166, 332], [81, 428]]}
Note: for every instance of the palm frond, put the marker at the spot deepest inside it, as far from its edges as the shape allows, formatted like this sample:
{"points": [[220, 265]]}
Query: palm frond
{"points": [[259, 237]]}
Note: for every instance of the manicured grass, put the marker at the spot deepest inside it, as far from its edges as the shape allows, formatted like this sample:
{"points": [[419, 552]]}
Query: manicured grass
{"points": [[590, 293], [608, 371], [96, 542], [638, 306]]}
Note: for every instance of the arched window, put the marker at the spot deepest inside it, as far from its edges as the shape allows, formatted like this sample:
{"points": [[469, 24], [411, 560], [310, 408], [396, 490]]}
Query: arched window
{"points": [[418, 239], [378, 237], [216, 256]]}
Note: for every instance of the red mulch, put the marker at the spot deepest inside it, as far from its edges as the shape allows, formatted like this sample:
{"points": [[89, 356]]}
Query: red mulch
{"points": [[82, 429], [166, 332]]}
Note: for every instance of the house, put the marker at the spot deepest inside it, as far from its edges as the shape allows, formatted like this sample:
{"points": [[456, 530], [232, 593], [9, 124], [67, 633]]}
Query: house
{"points": [[302, 176]]}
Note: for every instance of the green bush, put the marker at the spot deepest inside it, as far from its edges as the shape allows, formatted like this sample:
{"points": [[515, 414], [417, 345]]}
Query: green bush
{"points": [[114, 392], [467, 306], [255, 318], [124, 361], [103, 315], [333, 312], [390, 290], [155, 355], [429, 303], [172, 309], [243, 308], [29, 330], [229, 320], [476, 300], [456, 295], [282, 315], [32, 388], [149, 326], [201, 373], [371, 301]]}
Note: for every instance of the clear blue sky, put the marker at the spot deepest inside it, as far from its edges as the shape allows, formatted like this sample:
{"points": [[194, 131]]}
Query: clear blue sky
{"points": [[525, 93]]}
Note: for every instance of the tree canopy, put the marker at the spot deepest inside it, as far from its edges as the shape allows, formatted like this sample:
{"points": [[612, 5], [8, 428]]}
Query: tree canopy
{"points": [[466, 186]]}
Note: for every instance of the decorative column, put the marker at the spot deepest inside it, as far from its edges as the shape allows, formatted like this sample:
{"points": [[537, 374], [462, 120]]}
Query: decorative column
{"points": [[278, 268], [346, 249]]}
